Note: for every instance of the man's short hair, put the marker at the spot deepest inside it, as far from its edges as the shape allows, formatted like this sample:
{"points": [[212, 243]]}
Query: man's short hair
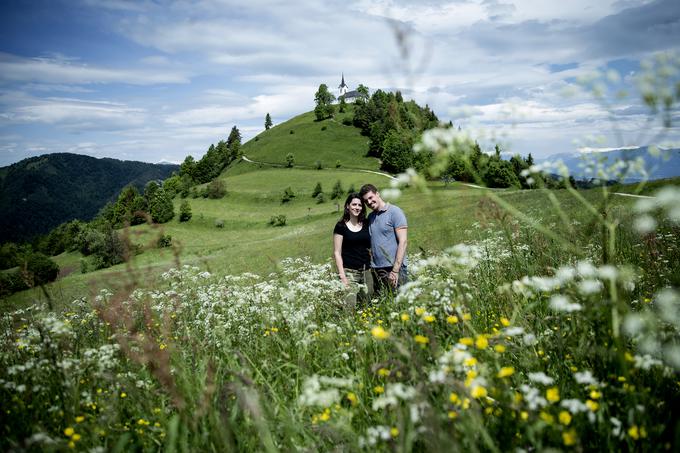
{"points": [[366, 188]]}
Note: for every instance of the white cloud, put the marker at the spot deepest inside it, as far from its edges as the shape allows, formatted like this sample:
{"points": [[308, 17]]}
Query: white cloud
{"points": [[51, 71]]}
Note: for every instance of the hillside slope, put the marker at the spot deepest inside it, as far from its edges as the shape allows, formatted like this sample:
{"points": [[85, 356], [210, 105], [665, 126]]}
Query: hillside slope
{"points": [[39, 193], [328, 142]]}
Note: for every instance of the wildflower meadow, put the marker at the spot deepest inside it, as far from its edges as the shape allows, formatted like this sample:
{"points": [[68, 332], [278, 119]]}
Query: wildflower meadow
{"points": [[538, 334]]}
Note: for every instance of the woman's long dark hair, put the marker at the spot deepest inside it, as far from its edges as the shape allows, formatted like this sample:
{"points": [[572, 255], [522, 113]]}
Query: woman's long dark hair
{"points": [[345, 214]]}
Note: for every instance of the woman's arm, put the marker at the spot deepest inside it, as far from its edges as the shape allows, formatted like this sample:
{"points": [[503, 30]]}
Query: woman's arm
{"points": [[337, 254]]}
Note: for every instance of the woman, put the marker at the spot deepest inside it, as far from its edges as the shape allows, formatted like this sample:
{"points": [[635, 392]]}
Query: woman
{"points": [[351, 250]]}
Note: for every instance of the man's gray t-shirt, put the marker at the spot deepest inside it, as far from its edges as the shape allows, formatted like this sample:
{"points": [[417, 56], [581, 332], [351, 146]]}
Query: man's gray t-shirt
{"points": [[381, 225]]}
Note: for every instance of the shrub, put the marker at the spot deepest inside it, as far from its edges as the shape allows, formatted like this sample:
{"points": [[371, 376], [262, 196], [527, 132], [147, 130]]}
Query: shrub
{"points": [[323, 128], [320, 198], [216, 189], [165, 240], [288, 195], [292, 132], [219, 223], [347, 121], [41, 269], [185, 211], [290, 160], [278, 220], [337, 164], [351, 189], [318, 165], [11, 282]]}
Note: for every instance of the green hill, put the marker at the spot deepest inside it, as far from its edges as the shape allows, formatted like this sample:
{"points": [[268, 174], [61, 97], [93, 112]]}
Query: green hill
{"points": [[311, 141]]}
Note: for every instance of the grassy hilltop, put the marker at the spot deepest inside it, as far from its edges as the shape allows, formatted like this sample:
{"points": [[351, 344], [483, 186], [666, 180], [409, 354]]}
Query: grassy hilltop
{"points": [[311, 141]]}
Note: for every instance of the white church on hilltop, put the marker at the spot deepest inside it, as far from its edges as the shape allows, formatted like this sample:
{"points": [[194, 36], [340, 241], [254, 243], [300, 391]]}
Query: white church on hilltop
{"points": [[348, 96]]}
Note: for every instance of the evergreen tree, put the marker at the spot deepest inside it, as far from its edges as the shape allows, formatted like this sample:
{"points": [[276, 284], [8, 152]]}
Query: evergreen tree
{"points": [[290, 160], [185, 211], [317, 190], [160, 206], [337, 190], [268, 121]]}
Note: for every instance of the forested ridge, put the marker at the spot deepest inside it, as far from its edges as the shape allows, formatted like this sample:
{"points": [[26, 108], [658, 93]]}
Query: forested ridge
{"points": [[39, 193]]}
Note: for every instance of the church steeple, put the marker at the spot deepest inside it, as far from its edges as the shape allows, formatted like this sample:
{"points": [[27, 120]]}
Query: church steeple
{"points": [[343, 86]]}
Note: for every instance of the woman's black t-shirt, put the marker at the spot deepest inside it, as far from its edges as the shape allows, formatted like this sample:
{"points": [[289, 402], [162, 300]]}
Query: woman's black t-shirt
{"points": [[355, 246]]}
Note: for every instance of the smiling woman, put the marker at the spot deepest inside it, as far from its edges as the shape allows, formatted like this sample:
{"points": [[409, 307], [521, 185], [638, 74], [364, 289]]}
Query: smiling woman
{"points": [[351, 245]]}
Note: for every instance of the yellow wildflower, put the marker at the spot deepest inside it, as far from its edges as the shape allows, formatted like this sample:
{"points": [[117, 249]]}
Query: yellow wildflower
{"points": [[552, 394], [123, 395], [467, 316], [478, 392], [383, 372], [569, 438], [80, 419], [546, 417], [466, 403], [592, 405], [499, 348], [352, 398], [405, 317], [394, 432], [75, 437], [595, 395], [467, 341], [421, 339], [379, 333], [379, 389], [452, 319], [481, 342], [470, 361], [325, 416], [505, 372], [505, 322], [429, 318], [453, 397], [524, 415], [564, 418], [453, 415], [420, 311], [634, 432], [69, 431]]}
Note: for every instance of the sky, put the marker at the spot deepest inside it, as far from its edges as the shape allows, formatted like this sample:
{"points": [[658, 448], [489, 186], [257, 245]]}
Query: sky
{"points": [[159, 80]]}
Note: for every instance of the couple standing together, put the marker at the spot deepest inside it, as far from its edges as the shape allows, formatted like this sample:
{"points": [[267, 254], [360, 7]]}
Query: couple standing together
{"points": [[370, 250]]}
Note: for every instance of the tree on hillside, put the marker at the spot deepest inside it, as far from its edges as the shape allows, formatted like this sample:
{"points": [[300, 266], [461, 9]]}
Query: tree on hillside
{"points": [[337, 190], [160, 204], [290, 160], [397, 153], [40, 269], [188, 167], [185, 211], [324, 103], [268, 121], [363, 91], [317, 190], [234, 144]]}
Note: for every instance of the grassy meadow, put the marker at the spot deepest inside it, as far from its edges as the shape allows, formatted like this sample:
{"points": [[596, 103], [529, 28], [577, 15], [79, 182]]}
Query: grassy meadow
{"points": [[533, 320]]}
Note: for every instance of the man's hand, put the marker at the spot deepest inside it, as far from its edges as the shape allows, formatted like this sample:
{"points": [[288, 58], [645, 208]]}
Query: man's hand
{"points": [[393, 278]]}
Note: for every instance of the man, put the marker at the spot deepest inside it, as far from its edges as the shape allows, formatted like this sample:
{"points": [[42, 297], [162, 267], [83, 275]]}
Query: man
{"points": [[387, 225]]}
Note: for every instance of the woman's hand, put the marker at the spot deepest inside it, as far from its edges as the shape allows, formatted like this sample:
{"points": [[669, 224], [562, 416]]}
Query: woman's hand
{"points": [[344, 281]]}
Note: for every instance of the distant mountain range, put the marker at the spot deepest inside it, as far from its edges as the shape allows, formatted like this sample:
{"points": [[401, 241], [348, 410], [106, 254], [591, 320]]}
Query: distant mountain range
{"points": [[664, 165], [39, 193]]}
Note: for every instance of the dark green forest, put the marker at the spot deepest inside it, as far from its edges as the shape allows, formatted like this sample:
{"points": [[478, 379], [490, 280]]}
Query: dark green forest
{"points": [[39, 193]]}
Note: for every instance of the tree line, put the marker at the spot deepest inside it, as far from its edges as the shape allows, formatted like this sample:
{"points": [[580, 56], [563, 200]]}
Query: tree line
{"points": [[98, 240]]}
